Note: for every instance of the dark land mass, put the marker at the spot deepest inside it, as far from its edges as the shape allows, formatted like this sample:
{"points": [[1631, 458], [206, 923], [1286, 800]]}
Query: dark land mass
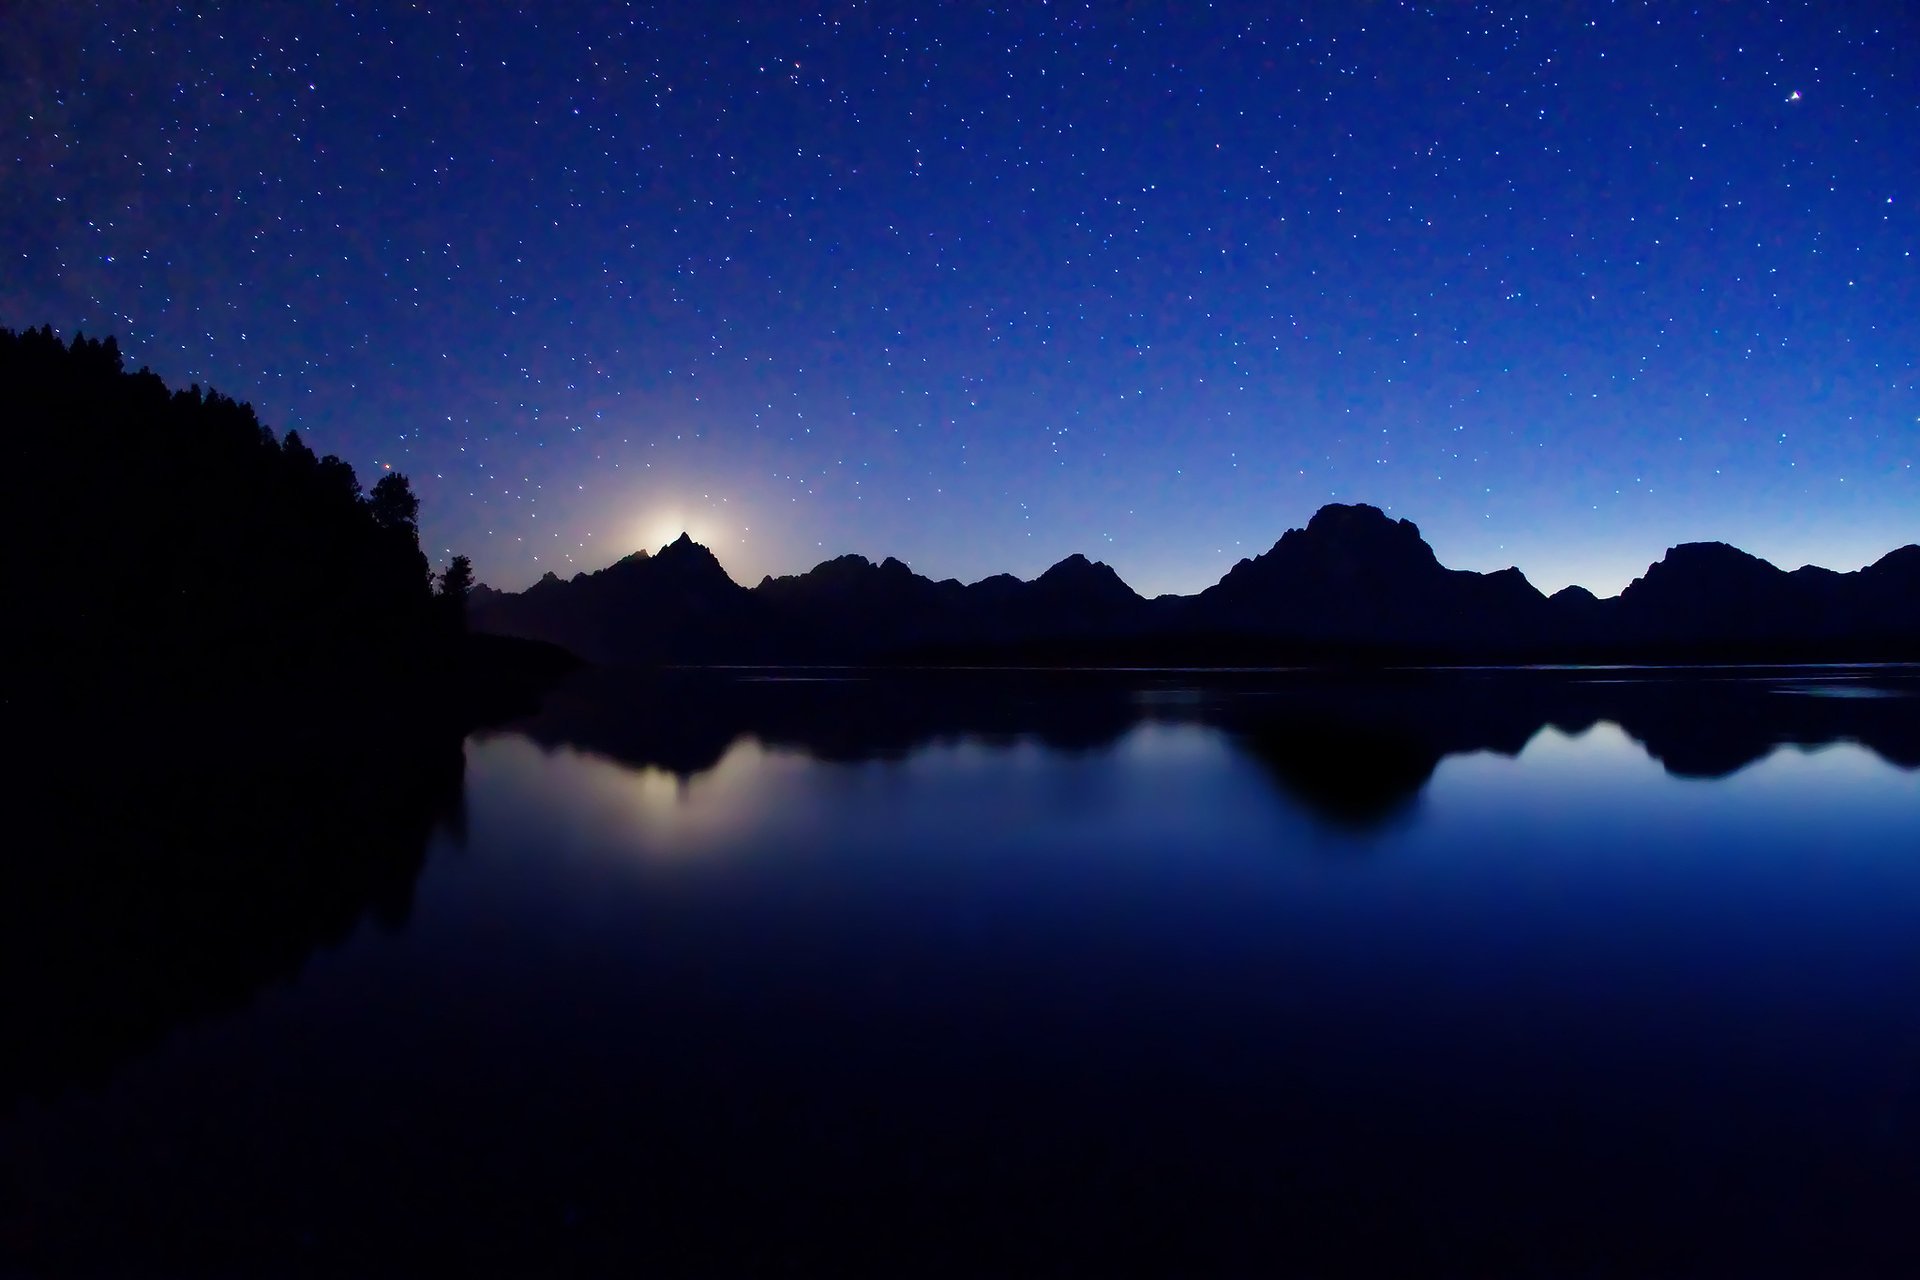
{"points": [[236, 700], [1353, 748], [1355, 587], [240, 698]]}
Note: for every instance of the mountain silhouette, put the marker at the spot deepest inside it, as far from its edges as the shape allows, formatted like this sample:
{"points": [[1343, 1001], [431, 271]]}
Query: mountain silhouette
{"points": [[641, 608], [1706, 591], [1355, 576], [1354, 585], [1710, 599], [846, 607]]}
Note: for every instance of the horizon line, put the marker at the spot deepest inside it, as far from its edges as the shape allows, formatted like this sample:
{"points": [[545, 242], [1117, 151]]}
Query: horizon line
{"points": [[687, 536]]}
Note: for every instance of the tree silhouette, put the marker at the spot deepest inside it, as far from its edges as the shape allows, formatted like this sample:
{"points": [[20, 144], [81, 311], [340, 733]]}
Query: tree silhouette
{"points": [[393, 503], [299, 457], [456, 583], [260, 566]]}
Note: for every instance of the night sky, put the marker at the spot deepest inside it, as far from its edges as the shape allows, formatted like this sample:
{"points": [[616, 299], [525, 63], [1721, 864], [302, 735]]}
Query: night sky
{"points": [[979, 286]]}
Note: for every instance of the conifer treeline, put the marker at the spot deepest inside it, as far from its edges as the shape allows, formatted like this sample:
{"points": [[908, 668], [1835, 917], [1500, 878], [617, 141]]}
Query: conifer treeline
{"points": [[170, 535]]}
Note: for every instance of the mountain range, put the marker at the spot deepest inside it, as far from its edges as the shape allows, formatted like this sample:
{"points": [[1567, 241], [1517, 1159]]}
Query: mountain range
{"points": [[1354, 585]]}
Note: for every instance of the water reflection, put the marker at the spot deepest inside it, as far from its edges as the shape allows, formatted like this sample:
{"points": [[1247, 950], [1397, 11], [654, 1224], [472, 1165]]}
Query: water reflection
{"points": [[1353, 751], [160, 891], [1043, 974], [588, 800], [293, 854]]}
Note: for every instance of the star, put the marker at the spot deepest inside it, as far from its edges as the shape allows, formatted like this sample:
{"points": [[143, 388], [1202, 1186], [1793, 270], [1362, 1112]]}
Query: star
{"points": [[969, 289]]}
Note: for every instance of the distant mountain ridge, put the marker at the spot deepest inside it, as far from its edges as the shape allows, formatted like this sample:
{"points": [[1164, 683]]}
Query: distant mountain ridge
{"points": [[1353, 585]]}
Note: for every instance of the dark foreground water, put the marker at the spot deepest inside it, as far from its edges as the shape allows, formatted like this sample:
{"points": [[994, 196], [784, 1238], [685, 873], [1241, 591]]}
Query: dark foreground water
{"points": [[1553, 973]]}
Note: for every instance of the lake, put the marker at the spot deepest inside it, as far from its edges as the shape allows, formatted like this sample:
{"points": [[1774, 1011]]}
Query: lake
{"points": [[1555, 972]]}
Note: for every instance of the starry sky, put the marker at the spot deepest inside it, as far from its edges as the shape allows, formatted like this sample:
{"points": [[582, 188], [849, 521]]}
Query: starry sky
{"points": [[983, 284]]}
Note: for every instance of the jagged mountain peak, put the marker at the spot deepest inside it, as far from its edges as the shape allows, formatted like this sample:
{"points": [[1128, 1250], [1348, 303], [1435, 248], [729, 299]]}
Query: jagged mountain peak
{"points": [[632, 562], [1346, 516], [1342, 542], [683, 550], [1078, 566], [1362, 529], [1086, 578], [847, 570], [684, 545], [1354, 580]]}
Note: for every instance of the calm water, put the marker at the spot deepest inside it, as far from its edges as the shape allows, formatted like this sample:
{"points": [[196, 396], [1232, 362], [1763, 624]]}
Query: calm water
{"points": [[1566, 973]]}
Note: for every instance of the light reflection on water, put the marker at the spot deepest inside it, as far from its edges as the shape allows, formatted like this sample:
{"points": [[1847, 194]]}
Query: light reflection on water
{"points": [[1215, 976], [1158, 781]]}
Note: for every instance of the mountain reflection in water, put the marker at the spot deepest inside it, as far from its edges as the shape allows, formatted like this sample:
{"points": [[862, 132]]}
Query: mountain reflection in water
{"points": [[700, 973], [1354, 750]]}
